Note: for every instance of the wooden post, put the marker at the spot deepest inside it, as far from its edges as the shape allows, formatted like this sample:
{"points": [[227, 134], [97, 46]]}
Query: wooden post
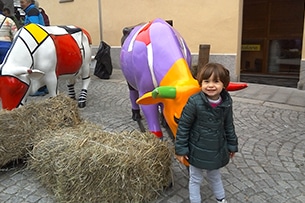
{"points": [[203, 56]]}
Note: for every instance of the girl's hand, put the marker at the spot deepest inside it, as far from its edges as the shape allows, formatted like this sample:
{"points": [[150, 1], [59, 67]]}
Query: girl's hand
{"points": [[232, 154], [183, 159]]}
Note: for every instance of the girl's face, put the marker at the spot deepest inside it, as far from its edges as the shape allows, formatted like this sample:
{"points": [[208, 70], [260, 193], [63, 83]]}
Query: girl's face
{"points": [[212, 87]]}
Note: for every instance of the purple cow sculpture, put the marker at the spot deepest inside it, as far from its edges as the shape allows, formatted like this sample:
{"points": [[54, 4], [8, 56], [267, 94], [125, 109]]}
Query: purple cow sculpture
{"points": [[155, 61]]}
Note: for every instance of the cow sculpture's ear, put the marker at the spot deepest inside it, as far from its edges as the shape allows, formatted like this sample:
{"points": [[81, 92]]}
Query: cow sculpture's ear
{"points": [[157, 95], [35, 74]]}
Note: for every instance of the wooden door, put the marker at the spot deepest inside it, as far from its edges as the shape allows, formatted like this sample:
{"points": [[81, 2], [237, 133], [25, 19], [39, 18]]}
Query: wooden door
{"points": [[272, 36]]}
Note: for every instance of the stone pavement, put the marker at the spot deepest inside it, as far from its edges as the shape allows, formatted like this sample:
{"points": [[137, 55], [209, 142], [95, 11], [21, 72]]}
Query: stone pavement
{"points": [[270, 166]]}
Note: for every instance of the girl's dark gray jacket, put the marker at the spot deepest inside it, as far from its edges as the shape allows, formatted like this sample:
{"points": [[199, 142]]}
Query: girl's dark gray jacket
{"points": [[206, 134]]}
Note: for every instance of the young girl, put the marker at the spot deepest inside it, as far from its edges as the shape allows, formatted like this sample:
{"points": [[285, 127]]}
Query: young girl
{"points": [[206, 135]]}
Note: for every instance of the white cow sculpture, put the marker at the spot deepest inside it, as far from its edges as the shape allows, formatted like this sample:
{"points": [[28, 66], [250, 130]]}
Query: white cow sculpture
{"points": [[38, 56]]}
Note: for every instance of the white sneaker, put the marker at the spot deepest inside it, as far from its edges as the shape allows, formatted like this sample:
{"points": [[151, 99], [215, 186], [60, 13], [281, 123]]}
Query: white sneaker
{"points": [[222, 201]]}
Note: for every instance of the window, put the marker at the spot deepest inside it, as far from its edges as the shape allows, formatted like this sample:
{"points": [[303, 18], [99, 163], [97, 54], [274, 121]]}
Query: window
{"points": [[64, 1]]}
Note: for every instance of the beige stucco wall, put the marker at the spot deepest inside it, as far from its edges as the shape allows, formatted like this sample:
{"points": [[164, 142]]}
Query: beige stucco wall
{"points": [[198, 21], [79, 13], [216, 22]]}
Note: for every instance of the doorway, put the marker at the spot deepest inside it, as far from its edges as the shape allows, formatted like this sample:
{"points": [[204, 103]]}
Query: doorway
{"points": [[272, 35]]}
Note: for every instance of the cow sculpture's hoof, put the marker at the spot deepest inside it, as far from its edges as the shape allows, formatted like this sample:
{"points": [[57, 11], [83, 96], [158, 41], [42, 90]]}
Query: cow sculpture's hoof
{"points": [[136, 116], [82, 104]]}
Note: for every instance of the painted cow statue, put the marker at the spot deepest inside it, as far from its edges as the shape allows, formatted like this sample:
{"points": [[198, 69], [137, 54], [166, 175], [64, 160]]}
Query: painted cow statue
{"points": [[155, 61], [39, 55]]}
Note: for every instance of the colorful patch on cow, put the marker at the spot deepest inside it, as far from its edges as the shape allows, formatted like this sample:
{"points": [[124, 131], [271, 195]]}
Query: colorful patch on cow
{"points": [[37, 32], [144, 34], [68, 54], [88, 35], [13, 92]]}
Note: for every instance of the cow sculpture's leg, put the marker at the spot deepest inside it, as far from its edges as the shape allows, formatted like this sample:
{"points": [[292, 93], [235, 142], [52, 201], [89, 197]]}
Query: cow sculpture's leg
{"points": [[82, 98], [135, 108], [151, 114], [71, 91], [83, 95], [51, 83]]}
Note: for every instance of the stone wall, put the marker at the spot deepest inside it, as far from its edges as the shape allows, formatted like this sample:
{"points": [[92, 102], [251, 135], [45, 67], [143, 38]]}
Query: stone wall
{"points": [[229, 61], [301, 83]]}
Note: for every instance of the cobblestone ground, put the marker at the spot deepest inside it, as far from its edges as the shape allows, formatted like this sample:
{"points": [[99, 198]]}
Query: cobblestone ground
{"points": [[270, 166]]}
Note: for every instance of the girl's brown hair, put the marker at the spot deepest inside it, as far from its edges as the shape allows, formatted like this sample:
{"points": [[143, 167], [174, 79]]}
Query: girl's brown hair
{"points": [[219, 71]]}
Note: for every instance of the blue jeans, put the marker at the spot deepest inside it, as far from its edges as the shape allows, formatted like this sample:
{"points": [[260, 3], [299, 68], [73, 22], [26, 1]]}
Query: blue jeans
{"points": [[196, 178]]}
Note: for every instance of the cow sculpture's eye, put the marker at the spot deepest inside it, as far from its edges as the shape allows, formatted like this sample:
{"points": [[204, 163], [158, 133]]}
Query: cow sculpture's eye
{"points": [[176, 119]]}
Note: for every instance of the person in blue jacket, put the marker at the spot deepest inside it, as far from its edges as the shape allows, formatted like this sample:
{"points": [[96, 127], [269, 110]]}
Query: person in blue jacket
{"points": [[33, 15], [206, 134]]}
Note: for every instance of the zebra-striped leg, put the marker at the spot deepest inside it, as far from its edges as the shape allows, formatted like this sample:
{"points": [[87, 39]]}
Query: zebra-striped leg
{"points": [[71, 91], [82, 98]]}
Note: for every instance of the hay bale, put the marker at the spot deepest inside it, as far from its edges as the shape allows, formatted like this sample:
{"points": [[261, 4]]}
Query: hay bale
{"points": [[85, 164], [18, 128]]}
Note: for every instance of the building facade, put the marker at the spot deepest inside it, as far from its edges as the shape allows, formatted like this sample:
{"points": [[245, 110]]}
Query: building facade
{"points": [[260, 39]]}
